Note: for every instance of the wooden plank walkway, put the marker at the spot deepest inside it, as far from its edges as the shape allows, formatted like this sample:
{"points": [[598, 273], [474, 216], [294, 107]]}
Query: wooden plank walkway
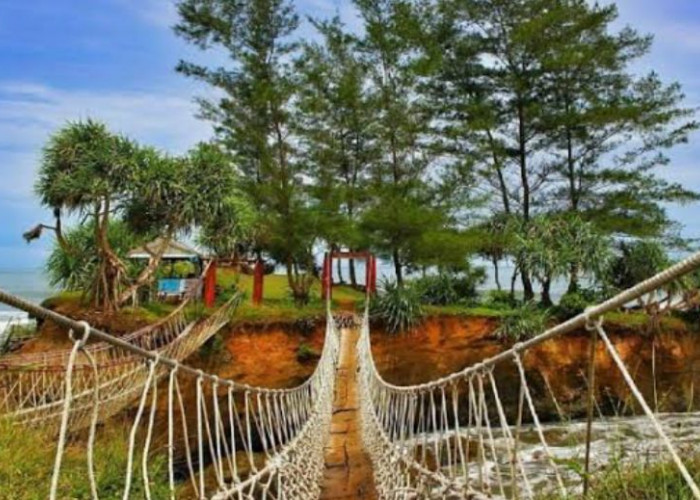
{"points": [[348, 467]]}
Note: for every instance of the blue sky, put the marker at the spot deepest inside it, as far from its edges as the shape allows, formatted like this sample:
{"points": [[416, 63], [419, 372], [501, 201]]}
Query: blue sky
{"points": [[113, 60]]}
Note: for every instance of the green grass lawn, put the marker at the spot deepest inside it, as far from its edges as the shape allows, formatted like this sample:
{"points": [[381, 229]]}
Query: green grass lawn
{"points": [[278, 304]]}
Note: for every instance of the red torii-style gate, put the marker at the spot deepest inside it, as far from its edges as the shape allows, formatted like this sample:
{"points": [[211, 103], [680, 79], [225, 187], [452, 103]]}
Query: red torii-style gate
{"points": [[326, 276], [327, 272]]}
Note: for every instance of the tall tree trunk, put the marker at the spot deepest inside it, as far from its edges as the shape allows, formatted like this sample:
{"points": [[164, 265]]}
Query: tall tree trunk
{"points": [[573, 278], [522, 155], [496, 274], [398, 268], [499, 172], [340, 271], [513, 279], [353, 273], [528, 289], [147, 273], [546, 295], [296, 283]]}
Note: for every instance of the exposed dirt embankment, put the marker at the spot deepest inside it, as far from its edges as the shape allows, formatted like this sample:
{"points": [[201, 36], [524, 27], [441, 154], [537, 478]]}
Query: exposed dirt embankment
{"points": [[556, 369], [281, 354], [265, 355]]}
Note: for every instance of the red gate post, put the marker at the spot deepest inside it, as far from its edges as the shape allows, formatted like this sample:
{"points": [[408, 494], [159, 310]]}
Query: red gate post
{"points": [[326, 276], [372, 285], [210, 285], [258, 277]]}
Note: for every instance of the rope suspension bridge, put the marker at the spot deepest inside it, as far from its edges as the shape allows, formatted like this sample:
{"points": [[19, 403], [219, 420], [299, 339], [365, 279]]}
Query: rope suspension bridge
{"points": [[449, 438]]}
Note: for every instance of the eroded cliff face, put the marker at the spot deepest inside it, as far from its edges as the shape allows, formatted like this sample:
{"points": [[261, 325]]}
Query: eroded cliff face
{"points": [[556, 370], [267, 355]]}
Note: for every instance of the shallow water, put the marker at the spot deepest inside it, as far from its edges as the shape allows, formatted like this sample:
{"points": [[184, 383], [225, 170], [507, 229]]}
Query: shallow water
{"points": [[615, 441]]}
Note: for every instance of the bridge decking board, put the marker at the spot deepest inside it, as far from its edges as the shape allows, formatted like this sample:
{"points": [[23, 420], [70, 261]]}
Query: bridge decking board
{"points": [[348, 471]]}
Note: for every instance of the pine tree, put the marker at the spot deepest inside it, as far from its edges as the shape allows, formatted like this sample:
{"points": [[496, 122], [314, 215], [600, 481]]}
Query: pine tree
{"points": [[410, 214], [553, 115], [253, 119], [337, 127]]}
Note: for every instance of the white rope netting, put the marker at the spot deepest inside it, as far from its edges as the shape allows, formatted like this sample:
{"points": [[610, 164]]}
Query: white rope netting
{"points": [[456, 438], [236, 440]]}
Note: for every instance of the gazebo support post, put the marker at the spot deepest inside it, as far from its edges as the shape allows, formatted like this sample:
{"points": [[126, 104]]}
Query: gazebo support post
{"points": [[258, 278], [327, 276], [210, 286]]}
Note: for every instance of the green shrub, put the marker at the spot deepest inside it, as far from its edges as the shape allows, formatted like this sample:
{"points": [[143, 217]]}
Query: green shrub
{"points": [[306, 353], [574, 303], [397, 307], [27, 457], [644, 481], [212, 347], [447, 289], [524, 322], [500, 299]]}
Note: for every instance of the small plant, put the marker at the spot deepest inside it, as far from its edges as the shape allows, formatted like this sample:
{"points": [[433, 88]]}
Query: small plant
{"points": [[212, 347], [644, 480], [306, 353], [397, 307], [448, 288], [500, 300], [574, 303], [523, 323], [305, 326]]}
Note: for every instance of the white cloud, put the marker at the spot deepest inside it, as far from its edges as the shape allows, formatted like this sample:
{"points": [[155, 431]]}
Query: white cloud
{"points": [[160, 13], [30, 112]]}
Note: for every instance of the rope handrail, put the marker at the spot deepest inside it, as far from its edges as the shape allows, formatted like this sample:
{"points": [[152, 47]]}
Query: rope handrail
{"points": [[438, 437], [290, 424], [175, 316], [74, 325], [673, 273]]}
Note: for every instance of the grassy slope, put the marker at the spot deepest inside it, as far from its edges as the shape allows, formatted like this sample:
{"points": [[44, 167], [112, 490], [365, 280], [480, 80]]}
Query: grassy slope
{"points": [[277, 301], [27, 457], [278, 305]]}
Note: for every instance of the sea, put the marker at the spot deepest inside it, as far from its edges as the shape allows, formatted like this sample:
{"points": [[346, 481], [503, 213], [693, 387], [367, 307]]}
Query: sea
{"points": [[33, 285], [29, 284]]}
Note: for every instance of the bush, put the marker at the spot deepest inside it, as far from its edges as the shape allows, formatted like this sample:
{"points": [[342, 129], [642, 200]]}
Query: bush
{"points": [[398, 308], [27, 463], [524, 322], [574, 303], [645, 481], [446, 289], [306, 353], [570, 305], [212, 347], [500, 299]]}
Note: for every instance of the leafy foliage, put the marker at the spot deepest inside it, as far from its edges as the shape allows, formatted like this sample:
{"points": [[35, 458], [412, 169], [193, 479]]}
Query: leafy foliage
{"points": [[108, 179], [574, 303], [524, 322], [397, 307], [76, 270], [306, 353], [449, 288], [500, 300], [556, 245], [635, 262]]}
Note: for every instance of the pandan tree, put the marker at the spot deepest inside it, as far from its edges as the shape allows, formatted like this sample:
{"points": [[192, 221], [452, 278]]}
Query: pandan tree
{"points": [[103, 178], [551, 244], [72, 264], [175, 195], [85, 171]]}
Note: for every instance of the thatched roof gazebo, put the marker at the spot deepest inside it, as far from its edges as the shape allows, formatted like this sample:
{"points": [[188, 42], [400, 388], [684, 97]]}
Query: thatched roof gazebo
{"points": [[172, 286]]}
